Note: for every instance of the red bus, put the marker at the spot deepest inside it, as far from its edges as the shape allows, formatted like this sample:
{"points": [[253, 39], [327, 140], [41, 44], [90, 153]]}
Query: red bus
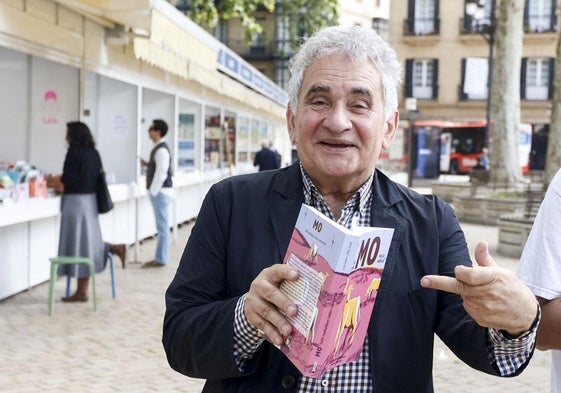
{"points": [[460, 146]]}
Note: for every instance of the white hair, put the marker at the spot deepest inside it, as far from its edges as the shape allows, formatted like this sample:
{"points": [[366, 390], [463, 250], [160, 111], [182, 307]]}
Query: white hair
{"points": [[358, 44]]}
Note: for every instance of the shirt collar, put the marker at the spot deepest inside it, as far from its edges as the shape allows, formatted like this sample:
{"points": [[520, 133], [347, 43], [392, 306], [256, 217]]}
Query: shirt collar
{"points": [[313, 197]]}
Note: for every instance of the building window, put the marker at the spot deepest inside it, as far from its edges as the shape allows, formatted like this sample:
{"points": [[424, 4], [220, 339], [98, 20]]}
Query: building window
{"points": [[423, 17], [539, 16], [537, 78], [380, 26], [221, 31], [474, 78], [282, 73], [257, 44], [422, 78]]}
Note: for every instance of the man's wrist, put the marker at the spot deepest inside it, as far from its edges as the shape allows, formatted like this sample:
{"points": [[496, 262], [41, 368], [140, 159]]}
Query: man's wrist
{"points": [[524, 333]]}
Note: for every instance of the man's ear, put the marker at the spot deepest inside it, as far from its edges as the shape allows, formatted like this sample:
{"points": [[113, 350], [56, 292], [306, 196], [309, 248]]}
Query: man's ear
{"points": [[390, 130], [290, 123]]}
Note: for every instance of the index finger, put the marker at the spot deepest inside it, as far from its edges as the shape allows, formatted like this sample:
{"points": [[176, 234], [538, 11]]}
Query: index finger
{"points": [[442, 283], [280, 272]]}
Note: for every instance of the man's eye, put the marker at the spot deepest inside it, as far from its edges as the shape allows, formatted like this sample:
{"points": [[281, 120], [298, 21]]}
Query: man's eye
{"points": [[359, 107], [318, 103]]}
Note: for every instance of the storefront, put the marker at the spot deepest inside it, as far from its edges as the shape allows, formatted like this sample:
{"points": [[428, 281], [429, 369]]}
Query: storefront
{"points": [[117, 70]]}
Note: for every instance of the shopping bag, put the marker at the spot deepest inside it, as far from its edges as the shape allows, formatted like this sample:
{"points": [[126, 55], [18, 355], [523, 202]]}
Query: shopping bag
{"points": [[104, 202]]}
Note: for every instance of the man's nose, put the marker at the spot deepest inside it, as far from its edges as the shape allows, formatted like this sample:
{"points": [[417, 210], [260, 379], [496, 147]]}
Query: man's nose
{"points": [[338, 119]]}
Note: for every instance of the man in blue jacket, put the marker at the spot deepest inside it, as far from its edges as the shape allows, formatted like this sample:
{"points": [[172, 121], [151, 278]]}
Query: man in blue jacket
{"points": [[266, 158], [225, 297]]}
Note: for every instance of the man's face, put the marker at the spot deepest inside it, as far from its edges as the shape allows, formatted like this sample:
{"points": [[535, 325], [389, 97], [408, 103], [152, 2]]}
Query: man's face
{"points": [[339, 128], [153, 134]]}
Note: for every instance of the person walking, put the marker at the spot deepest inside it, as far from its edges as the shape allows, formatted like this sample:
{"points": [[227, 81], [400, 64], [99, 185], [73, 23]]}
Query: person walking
{"points": [[80, 233], [540, 269], [266, 159], [159, 185], [277, 154], [225, 314]]}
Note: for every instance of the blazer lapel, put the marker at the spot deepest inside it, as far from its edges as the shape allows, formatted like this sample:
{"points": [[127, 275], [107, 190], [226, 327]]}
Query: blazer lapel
{"points": [[286, 202], [384, 196]]}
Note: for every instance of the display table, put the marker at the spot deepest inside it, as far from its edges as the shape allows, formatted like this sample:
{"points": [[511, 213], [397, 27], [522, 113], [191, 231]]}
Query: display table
{"points": [[29, 230], [28, 237]]}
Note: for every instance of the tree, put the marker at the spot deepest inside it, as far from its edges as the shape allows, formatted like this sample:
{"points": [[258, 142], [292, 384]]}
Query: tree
{"points": [[505, 93], [304, 16], [553, 160], [308, 16]]}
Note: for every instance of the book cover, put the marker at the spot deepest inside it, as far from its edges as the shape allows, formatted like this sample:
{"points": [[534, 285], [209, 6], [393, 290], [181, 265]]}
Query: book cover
{"points": [[340, 272]]}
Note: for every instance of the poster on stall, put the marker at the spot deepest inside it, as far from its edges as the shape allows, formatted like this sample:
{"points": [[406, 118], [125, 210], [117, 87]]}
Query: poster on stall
{"points": [[186, 141], [119, 125], [50, 108]]}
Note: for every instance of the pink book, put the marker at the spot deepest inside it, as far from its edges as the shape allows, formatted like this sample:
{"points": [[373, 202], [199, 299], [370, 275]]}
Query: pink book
{"points": [[340, 273]]}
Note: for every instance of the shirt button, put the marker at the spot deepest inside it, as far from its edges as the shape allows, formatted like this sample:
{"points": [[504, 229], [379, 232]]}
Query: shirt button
{"points": [[288, 382], [325, 383]]}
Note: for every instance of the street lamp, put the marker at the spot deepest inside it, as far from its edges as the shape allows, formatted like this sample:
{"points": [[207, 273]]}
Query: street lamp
{"points": [[476, 10]]}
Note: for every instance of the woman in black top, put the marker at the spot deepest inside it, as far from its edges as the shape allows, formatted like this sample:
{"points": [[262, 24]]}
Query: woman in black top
{"points": [[80, 233]]}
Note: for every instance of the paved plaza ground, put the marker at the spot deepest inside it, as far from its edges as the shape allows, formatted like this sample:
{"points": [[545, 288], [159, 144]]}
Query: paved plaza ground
{"points": [[118, 348]]}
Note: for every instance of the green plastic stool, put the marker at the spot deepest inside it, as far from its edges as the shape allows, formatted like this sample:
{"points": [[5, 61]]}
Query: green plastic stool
{"points": [[69, 261]]}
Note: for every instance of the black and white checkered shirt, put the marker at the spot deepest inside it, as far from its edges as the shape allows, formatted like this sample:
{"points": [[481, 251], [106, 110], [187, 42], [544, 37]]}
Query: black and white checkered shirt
{"points": [[508, 354]]}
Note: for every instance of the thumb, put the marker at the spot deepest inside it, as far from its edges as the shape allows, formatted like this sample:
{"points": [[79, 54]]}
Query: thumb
{"points": [[482, 256]]}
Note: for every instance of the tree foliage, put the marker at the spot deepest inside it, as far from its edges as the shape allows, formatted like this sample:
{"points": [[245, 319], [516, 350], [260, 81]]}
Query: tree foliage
{"points": [[209, 12], [305, 16], [308, 16]]}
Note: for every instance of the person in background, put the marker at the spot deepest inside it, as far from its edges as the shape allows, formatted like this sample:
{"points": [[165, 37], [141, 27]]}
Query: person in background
{"points": [[266, 159], [540, 269], [225, 298], [277, 155], [159, 185], [483, 160], [80, 233]]}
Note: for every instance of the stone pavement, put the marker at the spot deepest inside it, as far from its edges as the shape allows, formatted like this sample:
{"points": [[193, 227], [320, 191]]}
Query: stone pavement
{"points": [[118, 348]]}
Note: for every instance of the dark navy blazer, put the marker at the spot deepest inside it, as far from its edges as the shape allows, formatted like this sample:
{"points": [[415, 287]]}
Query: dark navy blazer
{"points": [[245, 225]]}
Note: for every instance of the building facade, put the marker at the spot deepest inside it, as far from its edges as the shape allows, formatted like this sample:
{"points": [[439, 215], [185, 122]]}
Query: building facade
{"points": [[445, 54], [446, 60]]}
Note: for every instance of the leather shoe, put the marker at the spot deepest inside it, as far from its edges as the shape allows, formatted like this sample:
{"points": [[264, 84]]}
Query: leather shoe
{"points": [[77, 297], [121, 251], [152, 264]]}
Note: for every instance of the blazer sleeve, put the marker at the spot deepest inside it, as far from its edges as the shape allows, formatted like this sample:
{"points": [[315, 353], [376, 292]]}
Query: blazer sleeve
{"points": [[454, 326], [200, 302]]}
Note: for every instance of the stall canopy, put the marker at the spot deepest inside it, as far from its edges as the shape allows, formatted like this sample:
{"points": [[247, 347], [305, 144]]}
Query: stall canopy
{"points": [[164, 38]]}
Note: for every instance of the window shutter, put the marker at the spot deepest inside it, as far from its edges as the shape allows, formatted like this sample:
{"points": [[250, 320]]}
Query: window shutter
{"points": [[411, 17], [437, 16], [526, 15], [408, 78], [551, 78], [463, 96], [523, 66], [435, 79], [553, 17]]}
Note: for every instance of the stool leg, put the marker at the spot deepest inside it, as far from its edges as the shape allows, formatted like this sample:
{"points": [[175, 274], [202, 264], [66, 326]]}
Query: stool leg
{"points": [[68, 279], [92, 277], [112, 267], [52, 287]]}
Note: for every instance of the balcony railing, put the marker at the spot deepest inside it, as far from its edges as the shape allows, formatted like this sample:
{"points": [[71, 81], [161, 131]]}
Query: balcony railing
{"points": [[421, 26], [468, 28]]}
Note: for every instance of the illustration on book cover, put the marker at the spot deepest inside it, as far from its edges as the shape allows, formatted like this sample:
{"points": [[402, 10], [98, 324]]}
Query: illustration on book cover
{"points": [[340, 273]]}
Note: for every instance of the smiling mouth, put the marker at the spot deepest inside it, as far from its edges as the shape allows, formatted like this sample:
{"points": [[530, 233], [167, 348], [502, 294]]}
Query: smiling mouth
{"points": [[334, 144]]}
